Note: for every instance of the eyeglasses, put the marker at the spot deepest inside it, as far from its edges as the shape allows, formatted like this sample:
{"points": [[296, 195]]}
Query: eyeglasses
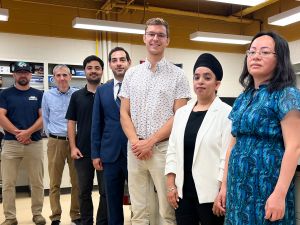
{"points": [[159, 35], [262, 53]]}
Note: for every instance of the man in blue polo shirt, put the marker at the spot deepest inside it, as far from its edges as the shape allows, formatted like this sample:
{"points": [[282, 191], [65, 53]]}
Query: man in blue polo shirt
{"points": [[21, 119], [54, 105]]}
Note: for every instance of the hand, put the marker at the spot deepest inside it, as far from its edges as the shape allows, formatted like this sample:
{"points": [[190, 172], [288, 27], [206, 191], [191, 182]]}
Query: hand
{"points": [[219, 206], [275, 207], [75, 153], [172, 196], [22, 136], [26, 142], [147, 156], [97, 164], [142, 149]]}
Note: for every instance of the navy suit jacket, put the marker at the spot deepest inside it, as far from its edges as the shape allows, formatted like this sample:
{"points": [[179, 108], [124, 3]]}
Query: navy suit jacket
{"points": [[107, 137]]}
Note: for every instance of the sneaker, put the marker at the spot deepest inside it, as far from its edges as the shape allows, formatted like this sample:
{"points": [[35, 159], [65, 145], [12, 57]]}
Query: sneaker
{"points": [[55, 222], [39, 220], [10, 222], [76, 222]]}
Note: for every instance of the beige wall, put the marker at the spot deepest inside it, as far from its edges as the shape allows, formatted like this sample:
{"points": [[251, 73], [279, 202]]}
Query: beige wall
{"points": [[73, 51]]}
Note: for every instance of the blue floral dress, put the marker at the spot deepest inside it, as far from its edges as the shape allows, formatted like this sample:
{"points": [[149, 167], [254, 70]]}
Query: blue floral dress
{"points": [[255, 160]]}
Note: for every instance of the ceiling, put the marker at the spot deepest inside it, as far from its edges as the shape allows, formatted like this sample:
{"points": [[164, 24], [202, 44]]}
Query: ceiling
{"points": [[54, 18]]}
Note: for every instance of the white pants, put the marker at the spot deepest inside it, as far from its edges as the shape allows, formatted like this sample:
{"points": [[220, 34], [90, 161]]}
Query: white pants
{"points": [[140, 174]]}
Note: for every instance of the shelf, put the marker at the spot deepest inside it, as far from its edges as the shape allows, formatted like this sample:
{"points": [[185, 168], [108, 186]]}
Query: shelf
{"points": [[37, 80], [41, 81]]}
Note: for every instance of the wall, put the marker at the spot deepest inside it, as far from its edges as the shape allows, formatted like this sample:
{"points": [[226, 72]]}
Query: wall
{"points": [[71, 51], [295, 49]]}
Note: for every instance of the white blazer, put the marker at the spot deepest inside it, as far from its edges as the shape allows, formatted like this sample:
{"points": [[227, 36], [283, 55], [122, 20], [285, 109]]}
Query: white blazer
{"points": [[210, 149]]}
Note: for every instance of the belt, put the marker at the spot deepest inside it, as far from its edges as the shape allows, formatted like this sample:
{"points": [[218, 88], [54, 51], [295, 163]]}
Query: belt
{"points": [[58, 137]]}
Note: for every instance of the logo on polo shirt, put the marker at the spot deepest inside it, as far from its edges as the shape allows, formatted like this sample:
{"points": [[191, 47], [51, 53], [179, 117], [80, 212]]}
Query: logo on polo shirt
{"points": [[32, 98]]}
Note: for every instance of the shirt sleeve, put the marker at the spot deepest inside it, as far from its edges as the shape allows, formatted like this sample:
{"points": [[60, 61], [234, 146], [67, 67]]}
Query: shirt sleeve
{"points": [[289, 100], [71, 112], [97, 124], [40, 99], [182, 87], [124, 92], [171, 162], [226, 137], [233, 115], [45, 114], [3, 102]]}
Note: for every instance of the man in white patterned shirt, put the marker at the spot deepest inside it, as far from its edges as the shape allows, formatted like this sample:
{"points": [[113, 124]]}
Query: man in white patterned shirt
{"points": [[151, 93]]}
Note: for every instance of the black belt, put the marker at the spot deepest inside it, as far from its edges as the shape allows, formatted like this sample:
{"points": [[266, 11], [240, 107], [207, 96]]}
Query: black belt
{"points": [[58, 137]]}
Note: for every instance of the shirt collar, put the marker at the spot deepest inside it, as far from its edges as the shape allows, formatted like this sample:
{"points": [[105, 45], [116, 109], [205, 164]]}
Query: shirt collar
{"points": [[116, 82], [159, 65], [86, 91], [64, 93]]}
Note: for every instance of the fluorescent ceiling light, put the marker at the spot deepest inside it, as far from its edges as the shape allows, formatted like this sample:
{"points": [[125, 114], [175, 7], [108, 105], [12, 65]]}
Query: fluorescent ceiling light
{"points": [[104, 25], [285, 18], [240, 2], [3, 14], [220, 38]]}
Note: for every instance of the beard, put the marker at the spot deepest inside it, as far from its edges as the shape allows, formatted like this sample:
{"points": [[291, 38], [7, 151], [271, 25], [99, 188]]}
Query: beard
{"points": [[93, 81], [23, 82]]}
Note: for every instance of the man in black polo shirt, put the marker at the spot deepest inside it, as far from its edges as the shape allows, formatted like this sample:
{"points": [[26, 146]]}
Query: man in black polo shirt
{"points": [[79, 117]]}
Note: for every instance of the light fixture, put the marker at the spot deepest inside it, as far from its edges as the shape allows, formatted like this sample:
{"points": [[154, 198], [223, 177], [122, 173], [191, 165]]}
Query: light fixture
{"points": [[285, 18], [239, 2], [220, 38], [104, 25], [3, 14]]}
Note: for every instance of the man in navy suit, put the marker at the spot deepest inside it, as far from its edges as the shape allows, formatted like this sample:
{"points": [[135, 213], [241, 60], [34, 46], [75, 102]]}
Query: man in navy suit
{"points": [[109, 143]]}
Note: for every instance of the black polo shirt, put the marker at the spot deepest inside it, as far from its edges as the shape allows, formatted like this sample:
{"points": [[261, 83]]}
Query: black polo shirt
{"points": [[80, 110]]}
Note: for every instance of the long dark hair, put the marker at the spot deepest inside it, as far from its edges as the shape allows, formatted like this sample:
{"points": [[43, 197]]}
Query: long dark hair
{"points": [[283, 75]]}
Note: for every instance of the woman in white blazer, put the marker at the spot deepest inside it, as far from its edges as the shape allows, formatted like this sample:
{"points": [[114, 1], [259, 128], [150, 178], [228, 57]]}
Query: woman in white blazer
{"points": [[197, 148]]}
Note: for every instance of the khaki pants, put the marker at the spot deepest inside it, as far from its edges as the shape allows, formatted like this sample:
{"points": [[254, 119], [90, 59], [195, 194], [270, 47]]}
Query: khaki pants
{"points": [[59, 152], [140, 173], [12, 154]]}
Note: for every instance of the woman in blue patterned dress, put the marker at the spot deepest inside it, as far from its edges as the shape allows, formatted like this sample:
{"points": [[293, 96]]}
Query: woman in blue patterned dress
{"points": [[258, 186]]}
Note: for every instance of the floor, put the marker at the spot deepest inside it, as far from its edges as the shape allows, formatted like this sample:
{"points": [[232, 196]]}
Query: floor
{"points": [[24, 215]]}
